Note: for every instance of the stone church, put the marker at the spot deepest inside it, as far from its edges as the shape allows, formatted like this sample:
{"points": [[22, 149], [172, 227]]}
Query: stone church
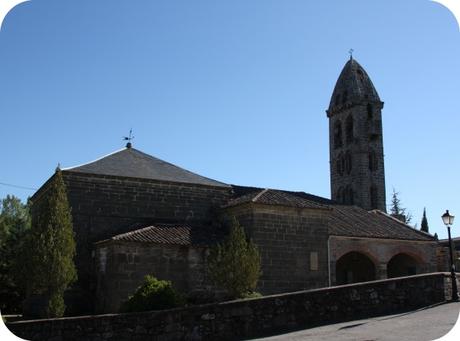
{"points": [[134, 214]]}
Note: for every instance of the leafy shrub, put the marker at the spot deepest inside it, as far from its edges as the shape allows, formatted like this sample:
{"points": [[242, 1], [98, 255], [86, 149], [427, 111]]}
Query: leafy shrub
{"points": [[153, 294], [251, 294]]}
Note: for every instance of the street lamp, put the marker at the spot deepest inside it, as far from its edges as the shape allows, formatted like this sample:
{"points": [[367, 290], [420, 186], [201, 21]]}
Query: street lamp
{"points": [[449, 220]]}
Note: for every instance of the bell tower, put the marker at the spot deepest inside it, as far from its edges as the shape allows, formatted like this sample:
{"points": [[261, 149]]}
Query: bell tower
{"points": [[356, 141]]}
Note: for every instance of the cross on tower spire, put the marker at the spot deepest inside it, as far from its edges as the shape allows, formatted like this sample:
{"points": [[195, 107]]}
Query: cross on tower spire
{"points": [[129, 138], [351, 53]]}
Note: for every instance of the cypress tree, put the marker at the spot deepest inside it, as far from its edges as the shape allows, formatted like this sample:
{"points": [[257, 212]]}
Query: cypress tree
{"points": [[235, 264], [52, 248], [424, 226]]}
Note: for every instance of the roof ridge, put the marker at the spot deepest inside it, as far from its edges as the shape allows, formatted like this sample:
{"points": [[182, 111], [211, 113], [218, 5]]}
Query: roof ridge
{"points": [[259, 195], [98, 159], [130, 233]]}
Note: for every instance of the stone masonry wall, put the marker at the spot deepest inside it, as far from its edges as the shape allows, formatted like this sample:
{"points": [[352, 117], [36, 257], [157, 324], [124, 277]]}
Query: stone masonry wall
{"points": [[121, 267], [103, 206], [248, 318], [367, 136], [293, 245]]}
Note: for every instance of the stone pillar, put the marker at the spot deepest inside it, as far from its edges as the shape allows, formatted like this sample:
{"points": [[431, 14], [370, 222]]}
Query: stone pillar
{"points": [[382, 271]]}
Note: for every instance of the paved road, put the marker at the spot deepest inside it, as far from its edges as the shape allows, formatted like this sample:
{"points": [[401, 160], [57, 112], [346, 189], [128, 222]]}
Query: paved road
{"points": [[421, 325]]}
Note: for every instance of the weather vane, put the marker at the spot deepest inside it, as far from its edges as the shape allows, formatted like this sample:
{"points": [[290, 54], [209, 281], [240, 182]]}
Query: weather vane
{"points": [[129, 138], [351, 53]]}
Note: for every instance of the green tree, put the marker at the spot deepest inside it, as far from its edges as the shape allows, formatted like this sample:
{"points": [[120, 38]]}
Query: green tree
{"points": [[14, 225], [235, 264], [424, 226], [397, 211], [51, 245]]}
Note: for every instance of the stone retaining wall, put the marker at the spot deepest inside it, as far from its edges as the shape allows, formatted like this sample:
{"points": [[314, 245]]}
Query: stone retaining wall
{"points": [[249, 318]]}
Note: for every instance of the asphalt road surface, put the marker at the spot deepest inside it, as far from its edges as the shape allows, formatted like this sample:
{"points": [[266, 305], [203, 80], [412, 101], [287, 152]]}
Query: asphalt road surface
{"points": [[424, 324]]}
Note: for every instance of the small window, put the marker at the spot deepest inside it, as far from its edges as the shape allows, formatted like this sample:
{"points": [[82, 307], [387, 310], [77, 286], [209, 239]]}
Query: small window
{"points": [[338, 135], [339, 165], [345, 97], [348, 162], [373, 161], [373, 193], [349, 129], [349, 196], [340, 198], [370, 112]]}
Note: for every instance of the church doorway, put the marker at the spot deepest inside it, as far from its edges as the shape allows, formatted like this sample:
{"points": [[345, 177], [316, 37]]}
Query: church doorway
{"points": [[401, 265], [354, 267]]}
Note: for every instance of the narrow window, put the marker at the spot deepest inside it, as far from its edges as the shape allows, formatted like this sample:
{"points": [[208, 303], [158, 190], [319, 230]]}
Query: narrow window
{"points": [[373, 161], [373, 197], [340, 195], [339, 165], [349, 195], [348, 162], [370, 112], [345, 97], [338, 135], [337, 99], [349, 129]]}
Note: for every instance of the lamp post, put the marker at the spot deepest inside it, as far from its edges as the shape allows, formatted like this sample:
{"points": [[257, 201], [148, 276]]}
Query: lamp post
{"points": [[448, 221]]}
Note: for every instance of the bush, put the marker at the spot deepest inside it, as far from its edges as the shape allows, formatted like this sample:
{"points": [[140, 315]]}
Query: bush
{"points": [[153, 294], [252, 294]]}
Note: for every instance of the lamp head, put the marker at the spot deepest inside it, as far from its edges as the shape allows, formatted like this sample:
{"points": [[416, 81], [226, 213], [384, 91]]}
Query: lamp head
{"points": [[447, 218]]}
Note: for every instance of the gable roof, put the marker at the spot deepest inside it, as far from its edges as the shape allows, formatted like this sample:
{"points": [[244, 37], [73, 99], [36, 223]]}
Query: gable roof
{"points": [[170, 234], [353, 221], [130, 162], [276, 197]]}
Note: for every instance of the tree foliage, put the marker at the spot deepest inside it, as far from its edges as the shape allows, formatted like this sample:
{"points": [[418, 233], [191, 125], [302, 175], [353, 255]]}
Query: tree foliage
{"points": [[424, 226], [14, 225], [397, 211], [235, 264], [49, 262], [153, 294]]}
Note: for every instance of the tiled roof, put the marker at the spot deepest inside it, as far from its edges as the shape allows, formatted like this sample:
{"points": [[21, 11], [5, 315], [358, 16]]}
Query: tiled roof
{"points": [[354, 221], [130, 162], [170, 234], [344, 220], [277, 198]]}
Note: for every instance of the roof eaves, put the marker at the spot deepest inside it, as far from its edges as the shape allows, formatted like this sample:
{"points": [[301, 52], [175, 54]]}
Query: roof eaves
{"points": [[402, 223]]}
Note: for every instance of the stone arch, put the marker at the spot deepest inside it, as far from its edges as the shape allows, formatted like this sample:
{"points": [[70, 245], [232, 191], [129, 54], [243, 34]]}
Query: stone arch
{"points": [[354, 267], [403, 264]]}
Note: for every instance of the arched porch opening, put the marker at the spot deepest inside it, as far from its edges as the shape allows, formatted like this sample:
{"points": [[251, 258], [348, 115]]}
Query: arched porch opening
{"points": [[354, 267], [402, 265]]}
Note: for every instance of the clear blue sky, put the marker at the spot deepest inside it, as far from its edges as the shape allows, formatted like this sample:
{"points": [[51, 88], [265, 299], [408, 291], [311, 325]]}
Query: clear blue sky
{"points": [[233, 90]]}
